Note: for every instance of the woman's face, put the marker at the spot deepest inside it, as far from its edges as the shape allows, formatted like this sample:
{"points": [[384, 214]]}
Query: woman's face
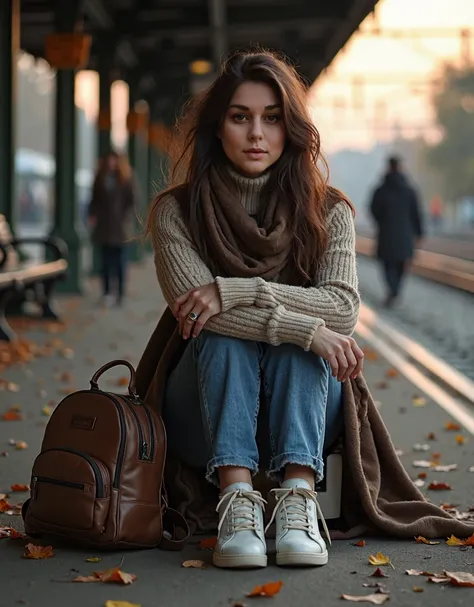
{"points": [[253, 133]]}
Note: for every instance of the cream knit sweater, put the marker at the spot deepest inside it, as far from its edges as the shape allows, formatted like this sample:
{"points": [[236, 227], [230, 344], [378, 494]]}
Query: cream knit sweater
{"points": [[253, 308]]}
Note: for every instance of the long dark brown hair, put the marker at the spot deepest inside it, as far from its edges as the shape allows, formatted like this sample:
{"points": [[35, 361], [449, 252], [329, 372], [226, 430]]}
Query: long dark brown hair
{"points": [[300, 174]]}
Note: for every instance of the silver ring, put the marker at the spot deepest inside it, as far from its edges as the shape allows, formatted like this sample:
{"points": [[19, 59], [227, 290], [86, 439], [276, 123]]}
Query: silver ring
{"points": [[192, 316]]}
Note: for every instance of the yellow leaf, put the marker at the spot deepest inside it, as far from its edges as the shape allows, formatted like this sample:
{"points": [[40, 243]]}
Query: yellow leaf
{"points": [[120, 604], [460, 439], [93, 559], [419, 401], [193, 564], [454, 541], [418, 589], [46, 410], [379, 559]]}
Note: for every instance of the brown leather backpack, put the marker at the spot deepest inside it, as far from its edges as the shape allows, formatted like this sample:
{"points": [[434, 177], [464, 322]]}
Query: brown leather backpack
{"points": [[99, 476]]}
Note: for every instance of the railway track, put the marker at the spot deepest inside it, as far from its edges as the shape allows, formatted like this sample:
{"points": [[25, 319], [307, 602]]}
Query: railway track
{"points": [[446, 269]]}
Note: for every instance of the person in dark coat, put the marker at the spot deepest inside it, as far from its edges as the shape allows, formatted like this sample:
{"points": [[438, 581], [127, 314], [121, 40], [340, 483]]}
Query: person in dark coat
{"points": [[395, 208], [111, 215]]}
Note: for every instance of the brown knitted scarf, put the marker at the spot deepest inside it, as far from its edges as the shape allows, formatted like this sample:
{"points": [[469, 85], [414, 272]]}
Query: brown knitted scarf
{"points": [[242, 247]]}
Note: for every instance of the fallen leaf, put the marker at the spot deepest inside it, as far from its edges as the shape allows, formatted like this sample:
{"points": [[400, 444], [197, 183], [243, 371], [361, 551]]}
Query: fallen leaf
{"points": [[419, 401], [392, 372], [431, 436], [193, 564], [419, 483], [360, 544], [10, 533], [4, 505], [120, 604], [269, 589], [439, 486], [38, 552], [422, 475], [93, 559], [452, 426], [414, 572], [447, 468], [375, 599], [381, 589], [379, 573], [370, 354], [379, 559], [421, 463], [455, 541], [108, 576], [418, 589], [460, 439], [208, 543], [20, 444], [422, 540], [66, 377], [46, 411], [67, 352], [381, 385], [20, 488], [12, 415], [421, 447], [460, 578], [123, 381], [438, 579]]}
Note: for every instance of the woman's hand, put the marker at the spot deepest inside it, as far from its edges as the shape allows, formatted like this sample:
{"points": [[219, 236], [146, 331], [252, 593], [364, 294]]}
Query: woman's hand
{"points": [[342, 353], [202, 301]]}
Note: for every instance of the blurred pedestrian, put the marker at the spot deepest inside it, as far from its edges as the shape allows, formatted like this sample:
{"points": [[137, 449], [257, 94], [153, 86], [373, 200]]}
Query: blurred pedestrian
{"points": [[111, 216], [436, 214], [396, 210]]}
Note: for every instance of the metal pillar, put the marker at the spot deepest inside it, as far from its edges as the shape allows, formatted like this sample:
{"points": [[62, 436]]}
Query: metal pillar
{"points": [[9, 48], [65, 211], [103, 136], [135, 157], [218, 21]]}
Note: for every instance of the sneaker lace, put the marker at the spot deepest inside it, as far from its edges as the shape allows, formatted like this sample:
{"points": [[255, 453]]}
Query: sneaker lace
{"points": [[243, 507], [294, 502]]}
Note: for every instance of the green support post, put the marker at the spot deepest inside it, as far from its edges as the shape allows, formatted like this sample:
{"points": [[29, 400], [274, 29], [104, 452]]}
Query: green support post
{"points": [[104, 139], [134, 157], [9, 47], [65, 211]]}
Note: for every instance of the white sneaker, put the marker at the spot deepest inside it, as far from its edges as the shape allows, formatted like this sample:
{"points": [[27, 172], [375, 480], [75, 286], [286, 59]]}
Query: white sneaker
{"points": [[297, 539], [241, 536]]}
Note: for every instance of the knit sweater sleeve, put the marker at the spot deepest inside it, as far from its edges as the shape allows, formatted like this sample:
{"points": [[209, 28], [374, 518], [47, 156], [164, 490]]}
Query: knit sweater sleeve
{"points": [[179, 268], [334, 298]]}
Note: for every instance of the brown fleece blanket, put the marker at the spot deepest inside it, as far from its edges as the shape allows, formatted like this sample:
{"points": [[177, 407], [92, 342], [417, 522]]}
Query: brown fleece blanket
{"points": [[378, 496]]}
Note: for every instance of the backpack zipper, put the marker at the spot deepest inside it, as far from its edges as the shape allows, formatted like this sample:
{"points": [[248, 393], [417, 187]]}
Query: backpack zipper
{"points": [[123, 432], [143, 446], [99, 481], [151, 451], [57, 481]]}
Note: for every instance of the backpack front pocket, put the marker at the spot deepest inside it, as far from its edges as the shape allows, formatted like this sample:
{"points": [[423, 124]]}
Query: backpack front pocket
{"points": [[70, 489]]}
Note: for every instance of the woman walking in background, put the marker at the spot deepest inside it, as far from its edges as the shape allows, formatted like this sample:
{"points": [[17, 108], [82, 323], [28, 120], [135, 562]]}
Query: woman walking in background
{"points": [[111, 216]]}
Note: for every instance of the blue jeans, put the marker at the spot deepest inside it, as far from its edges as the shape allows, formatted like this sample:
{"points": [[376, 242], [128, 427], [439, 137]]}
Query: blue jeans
{"points": [[212, 401], [114, 258]]}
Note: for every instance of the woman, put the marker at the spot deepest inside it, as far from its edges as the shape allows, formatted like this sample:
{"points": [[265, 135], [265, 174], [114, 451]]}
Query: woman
{"points": [[111, 214], [255, 256]]}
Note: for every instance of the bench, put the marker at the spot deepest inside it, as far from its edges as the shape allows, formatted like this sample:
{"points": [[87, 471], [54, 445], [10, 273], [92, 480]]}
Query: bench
{"points": [[28, 280]]}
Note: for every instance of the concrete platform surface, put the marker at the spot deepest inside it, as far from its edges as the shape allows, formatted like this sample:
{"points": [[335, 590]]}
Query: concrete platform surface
{"points": [[92, 337]]}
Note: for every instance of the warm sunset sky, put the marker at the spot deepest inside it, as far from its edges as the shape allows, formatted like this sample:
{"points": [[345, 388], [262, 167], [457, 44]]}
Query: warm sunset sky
{"points": [[399, 72], [410, 63]]}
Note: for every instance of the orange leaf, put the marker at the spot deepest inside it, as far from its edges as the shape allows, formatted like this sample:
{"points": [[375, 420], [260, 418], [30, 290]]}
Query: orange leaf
{"points": [[422, 540], [208, 543], [9, 532], [86, 579], [12, 416], [452, 426], [20, 487], [392, 372], [431, 436], [460, 578], [422, 475], [123, 381], [4, 505], [469, 541], [360, 544], [115, 575], [38, 552], [269, 589], [460, 439], [436, 486]]}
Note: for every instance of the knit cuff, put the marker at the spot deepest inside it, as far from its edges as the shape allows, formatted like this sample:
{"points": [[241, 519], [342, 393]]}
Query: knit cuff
{"points": [[291, 327], [237, 291]]}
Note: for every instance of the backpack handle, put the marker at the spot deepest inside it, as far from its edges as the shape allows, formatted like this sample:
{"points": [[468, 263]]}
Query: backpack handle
{"points": [[132, 390]]}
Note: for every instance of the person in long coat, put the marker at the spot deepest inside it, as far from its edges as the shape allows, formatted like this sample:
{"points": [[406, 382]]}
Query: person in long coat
{"points": [[395, 208]]}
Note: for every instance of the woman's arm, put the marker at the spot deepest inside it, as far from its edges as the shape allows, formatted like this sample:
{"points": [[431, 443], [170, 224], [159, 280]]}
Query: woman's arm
{"points": [[179, 268], [335, 298]]}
